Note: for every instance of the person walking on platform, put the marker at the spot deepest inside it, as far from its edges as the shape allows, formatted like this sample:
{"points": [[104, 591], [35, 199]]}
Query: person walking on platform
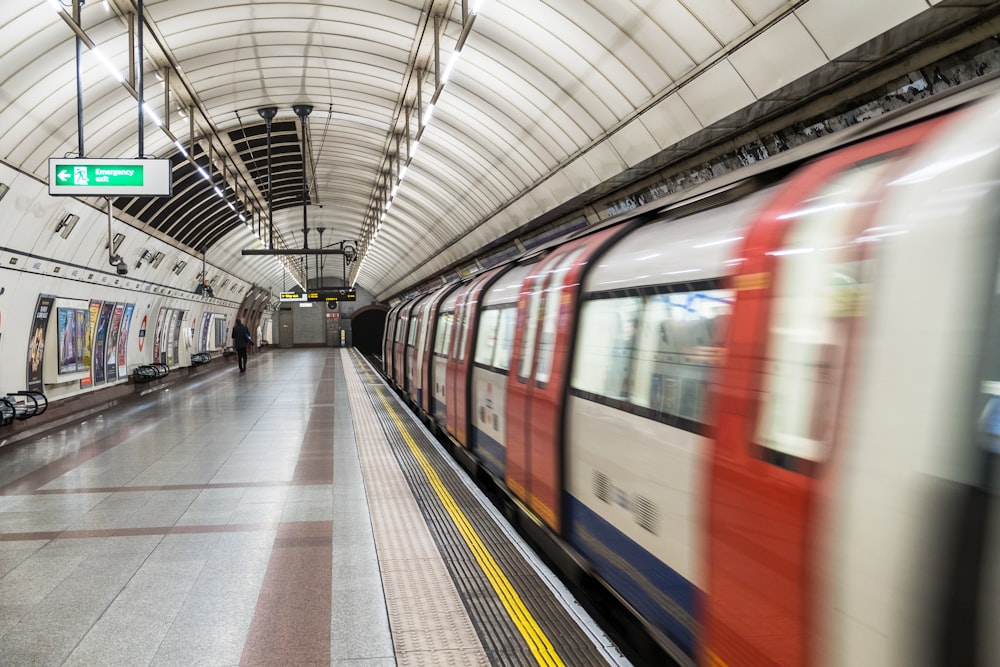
{"points": [[241, 340]]}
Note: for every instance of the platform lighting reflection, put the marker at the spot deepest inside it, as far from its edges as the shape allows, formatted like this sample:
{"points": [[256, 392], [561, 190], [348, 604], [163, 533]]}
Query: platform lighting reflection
{"points": [[939, 167], [790, 251], [823, 208], [733, 239]]}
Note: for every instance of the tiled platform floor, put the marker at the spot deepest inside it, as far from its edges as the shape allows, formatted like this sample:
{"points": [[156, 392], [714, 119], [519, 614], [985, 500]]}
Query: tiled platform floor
{"points": [[221, 522]]}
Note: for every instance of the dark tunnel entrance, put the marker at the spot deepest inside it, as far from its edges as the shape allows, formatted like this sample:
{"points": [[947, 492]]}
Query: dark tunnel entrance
{"points": [[367, 326]]}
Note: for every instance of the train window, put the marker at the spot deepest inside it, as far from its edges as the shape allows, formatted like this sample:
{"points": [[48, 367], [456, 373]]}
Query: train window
{"points": [[680, 342], [528, 344], [654, 354], [487, 337], [553, 306], [412, 338], [505, 338], [422, 337], [605, 346], [464, 324], [820, 287], [443, 336]]}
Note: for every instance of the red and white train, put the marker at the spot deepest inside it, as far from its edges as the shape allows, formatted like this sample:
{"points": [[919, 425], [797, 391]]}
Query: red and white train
{"points": [[766, 417]]}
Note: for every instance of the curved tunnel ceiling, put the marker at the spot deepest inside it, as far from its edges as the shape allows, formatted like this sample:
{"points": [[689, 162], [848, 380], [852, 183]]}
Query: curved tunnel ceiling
{"points": [[544, 100]]}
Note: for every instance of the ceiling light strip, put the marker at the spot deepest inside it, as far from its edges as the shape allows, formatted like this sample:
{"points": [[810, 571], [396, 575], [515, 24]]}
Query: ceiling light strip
{"points": [[376, 211]]}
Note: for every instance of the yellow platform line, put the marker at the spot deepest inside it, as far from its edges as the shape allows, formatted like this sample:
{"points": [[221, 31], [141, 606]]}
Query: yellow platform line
{"points": [[533, 635]]}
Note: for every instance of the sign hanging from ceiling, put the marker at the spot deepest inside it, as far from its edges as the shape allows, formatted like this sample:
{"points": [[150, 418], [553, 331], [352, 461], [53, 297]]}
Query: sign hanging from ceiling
{"points": [[329, 295], [110, 178]]}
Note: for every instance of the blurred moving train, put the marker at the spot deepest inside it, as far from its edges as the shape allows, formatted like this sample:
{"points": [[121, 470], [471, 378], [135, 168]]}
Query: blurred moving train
{"points": [[765, 417]]}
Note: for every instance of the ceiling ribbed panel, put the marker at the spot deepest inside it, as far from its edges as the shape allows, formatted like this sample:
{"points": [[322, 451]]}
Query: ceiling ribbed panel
{"points": [[549, 102]]}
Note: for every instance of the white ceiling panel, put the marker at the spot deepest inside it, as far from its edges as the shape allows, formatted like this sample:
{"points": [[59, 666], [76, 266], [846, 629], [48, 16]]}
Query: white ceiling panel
{"points": [[669, 121], [547, 100], [764, 64], [634, 143], [841, 25], [716, 93]]}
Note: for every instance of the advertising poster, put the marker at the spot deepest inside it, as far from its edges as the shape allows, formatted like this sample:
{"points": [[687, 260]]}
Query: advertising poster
{"points": [[71, 330], [156, 336], [176, 322], [66, 329], [123, 340], [81, 338], [36, 341], [206, 321], [100, 341], [111, 360], [88, 350]]}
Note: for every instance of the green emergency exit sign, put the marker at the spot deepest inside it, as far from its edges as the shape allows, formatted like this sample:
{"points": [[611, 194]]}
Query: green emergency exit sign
{"points": [[110, 178], [89, 174]]}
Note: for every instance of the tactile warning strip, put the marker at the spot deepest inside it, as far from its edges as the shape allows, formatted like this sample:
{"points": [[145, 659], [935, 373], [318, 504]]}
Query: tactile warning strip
{"points": [[428, 621], [543, 631]]}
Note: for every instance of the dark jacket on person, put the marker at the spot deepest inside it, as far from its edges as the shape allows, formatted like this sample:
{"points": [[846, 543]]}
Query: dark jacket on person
{"points": [[241, 336]]}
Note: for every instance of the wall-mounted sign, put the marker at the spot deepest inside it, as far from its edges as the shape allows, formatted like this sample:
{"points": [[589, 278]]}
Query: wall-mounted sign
{"points": [[110, 178]]}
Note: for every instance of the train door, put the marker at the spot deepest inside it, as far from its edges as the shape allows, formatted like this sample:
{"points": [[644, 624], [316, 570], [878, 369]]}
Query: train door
{"points": [[536, 391], [399, 331], [458, 419], [412, 346], [464, 320], [428, 348], [801, 285], [420, 355], [387, 340], [399, 369], [439, 359]]}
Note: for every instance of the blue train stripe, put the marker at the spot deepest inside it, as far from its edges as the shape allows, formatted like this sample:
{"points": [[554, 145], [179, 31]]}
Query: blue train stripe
{"points": [[661, 595], [490, 452]]}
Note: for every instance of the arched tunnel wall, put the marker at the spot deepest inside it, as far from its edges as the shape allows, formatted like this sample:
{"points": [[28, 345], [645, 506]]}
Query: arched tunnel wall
{"points": [[367, 327]]}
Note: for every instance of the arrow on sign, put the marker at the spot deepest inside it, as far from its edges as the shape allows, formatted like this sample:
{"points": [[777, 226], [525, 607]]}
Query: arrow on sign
{"points": [[63, 175]]}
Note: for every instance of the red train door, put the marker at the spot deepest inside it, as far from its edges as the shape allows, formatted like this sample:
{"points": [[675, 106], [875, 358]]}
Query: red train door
{"points": [[388, 341], [403, 326], [412, 345], [460, 362], [801, 286], [427, 391], [455, 383], [536, 387]]}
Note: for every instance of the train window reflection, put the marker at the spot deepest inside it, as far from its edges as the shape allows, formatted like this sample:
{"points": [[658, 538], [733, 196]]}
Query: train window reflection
{"points": [[487, 338], [817, 296], [553, 304], [443, 336], [505, 338], [653, 354]]}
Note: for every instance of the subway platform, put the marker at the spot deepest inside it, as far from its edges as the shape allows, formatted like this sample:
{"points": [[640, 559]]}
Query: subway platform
{"points": [[293, 515]]}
